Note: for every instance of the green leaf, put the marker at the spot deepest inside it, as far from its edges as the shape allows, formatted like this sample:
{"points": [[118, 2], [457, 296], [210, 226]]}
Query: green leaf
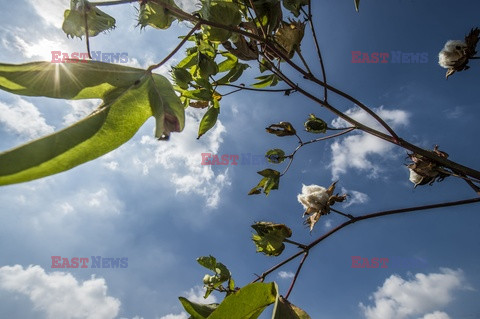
{"points": [[275, 156], [155, 15], [197, 310], [285, 310], [281, 129], [269, 238], [199, 95], [229, 63], [207, 66], [227, 13], [247, 303], [181, 77], [189, 61], [74, 19], [130, 96], [294, 6], [234, 74], [270, 181], [315, 125], [357, 4], [266, 80], [208, 121]]}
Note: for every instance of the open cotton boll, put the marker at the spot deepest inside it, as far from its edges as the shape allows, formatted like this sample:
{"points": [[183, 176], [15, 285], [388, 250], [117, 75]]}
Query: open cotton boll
{"points": [[314, 197], [452, 53]]}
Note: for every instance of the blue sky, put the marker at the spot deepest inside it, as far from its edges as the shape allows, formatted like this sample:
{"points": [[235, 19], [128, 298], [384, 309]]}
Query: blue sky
{"points": [[154, 203]]}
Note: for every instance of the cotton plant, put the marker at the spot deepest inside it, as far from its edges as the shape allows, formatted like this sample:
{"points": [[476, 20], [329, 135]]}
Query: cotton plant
{"points": [[456, 53], [317, 200]]}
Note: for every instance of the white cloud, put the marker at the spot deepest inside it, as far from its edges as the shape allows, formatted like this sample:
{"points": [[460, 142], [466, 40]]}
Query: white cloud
{"points": [[422, 294], [51, 11], [39, 48], [455, 113], [59, 294], [24, 119], [355, 150], [182, 157], [196, 294], [436, 315], [354, 197], [286, 274]]}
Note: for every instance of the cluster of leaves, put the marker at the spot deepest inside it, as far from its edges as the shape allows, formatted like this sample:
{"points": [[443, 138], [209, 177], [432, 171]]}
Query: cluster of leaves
{"points": [[247, 302], [271, 177]]}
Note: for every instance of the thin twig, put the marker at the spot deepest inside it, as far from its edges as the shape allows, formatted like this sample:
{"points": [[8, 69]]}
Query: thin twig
{"points": [[302, 144], [294, 243], [243, 87], [111, 3], [86, 32], [296, 274], [172, 53], [317, 47], [343, 214]]}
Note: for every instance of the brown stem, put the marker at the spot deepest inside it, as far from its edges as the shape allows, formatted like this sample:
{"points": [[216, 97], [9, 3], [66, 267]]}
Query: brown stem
{"points": [[317, 47], [296, 274], [168, 57]]}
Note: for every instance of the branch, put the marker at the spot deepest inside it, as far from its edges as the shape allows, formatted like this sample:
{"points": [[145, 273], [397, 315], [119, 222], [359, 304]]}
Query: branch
{"points": [[365, 217], [112, 3], [296, 274], [168, 57], [317, 46]]}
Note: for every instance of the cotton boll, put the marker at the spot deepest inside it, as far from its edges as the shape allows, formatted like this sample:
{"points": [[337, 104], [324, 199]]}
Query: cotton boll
{"points": [[452, 53], [415, 178], [314, 197]]}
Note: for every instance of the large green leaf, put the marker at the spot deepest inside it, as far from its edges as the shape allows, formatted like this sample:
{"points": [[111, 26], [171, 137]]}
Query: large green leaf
{"points": [[247, 303], [130, 96], [197, 310]]}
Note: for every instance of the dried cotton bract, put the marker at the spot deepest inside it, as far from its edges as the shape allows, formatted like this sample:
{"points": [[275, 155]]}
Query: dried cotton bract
{"points": [[316, 200]]}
